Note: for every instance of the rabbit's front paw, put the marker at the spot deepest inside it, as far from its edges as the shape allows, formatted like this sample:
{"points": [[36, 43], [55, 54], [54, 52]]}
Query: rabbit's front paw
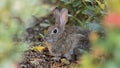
{"points": [[68, 56], [56, 59]]}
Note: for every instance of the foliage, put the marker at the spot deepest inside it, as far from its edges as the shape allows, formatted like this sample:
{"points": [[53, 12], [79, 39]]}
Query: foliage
{"points": [[105, 52], [10, 46], [15, 14], [82, 12]]}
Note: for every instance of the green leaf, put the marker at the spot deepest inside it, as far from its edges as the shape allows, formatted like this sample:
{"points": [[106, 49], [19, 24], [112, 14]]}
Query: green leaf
{"points": [[94, 27], [83, 51], [111, 64], [65, 1], [76, 3], [89, 11], [89, 0]]}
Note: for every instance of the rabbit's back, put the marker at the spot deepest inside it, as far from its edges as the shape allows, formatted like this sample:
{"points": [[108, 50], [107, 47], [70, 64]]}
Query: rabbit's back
{"points": [[76, 30], [74, 38]]}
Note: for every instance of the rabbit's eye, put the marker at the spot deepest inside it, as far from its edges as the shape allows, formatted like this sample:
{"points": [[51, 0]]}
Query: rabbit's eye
{"points": [[55, 31]]}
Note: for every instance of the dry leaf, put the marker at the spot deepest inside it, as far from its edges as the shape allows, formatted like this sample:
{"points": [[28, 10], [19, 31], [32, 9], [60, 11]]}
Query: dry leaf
{"points": [[38, 48], [65, 61]]}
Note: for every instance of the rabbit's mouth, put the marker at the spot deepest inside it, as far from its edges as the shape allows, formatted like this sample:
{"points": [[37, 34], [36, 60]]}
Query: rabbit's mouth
{"points": [[48, 40]]}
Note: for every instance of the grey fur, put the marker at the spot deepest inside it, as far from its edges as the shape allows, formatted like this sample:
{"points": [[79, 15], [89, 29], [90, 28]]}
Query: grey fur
{"points": [[67, 39]]}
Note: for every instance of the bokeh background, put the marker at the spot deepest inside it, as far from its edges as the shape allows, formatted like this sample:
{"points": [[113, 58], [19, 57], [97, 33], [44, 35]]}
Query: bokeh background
{"points": [[24, 22]]}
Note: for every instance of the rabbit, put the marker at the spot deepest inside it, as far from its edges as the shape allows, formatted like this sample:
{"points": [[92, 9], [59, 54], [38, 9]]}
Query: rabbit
{"points": [[64, 41]]}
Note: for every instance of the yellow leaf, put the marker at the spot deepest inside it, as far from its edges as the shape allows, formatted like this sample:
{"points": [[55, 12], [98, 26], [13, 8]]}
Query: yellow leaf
{"points": [[113, 5], [38, 48], [102, 6]]}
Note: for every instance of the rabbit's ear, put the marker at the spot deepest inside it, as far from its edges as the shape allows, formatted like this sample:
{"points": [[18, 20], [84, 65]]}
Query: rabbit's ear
{"points": [[63, 17], [57, 16]]}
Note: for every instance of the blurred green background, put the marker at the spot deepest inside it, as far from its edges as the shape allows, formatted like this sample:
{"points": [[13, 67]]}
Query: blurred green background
{"points": [[15, 15]]}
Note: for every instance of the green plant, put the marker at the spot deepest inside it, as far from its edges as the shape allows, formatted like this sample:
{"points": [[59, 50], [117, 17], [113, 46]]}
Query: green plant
{"points": [[105, 51], [15, 14]]}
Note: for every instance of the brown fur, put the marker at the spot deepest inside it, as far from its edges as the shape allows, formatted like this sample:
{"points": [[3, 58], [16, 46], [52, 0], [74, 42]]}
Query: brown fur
{"points": [[66, 39]]}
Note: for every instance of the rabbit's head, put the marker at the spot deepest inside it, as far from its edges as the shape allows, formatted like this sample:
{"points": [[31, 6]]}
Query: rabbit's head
{"points": [[55, 31]]}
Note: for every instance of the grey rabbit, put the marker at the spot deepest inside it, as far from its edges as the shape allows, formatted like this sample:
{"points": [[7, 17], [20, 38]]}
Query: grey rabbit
{"points": [[65, 41]]}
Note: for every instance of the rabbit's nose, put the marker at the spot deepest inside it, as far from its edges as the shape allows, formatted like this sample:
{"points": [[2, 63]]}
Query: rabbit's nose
{"points": [[48, 40]]}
